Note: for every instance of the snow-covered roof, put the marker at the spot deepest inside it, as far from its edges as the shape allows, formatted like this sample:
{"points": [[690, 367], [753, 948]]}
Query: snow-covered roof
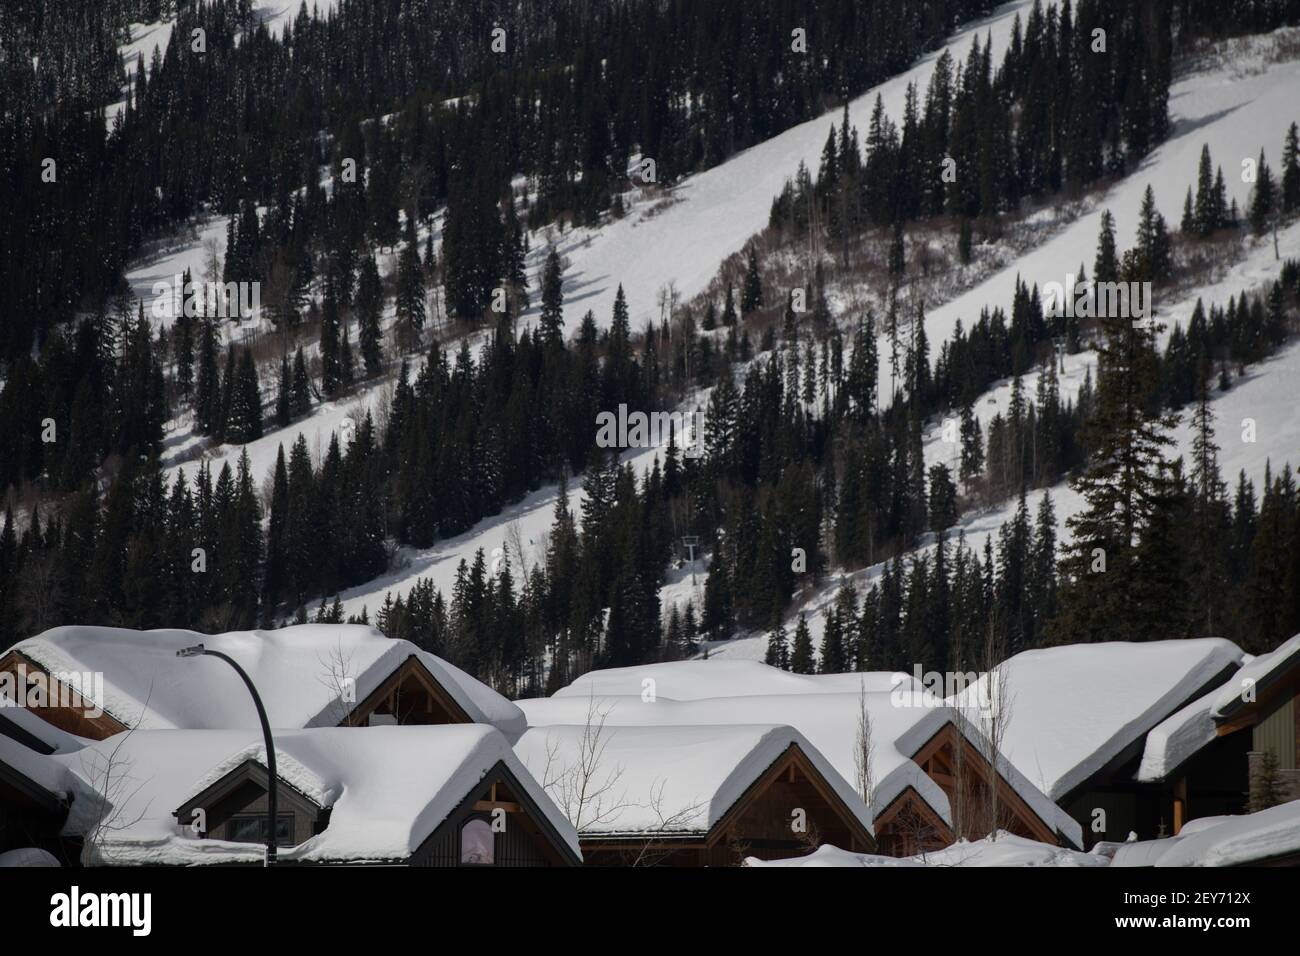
{"points": [[1256, 676], [829, 721], [301, 674], [1183, 734], [1007, 850], [663, 780], [696, 679], [1177, 738], [1222, 841], [29, 722], [1073, 709], [388, 788], [42, 770]]}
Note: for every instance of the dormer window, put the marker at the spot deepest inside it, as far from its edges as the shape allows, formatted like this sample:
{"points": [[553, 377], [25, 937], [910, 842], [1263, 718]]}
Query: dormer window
{"points": [[251, 828]]}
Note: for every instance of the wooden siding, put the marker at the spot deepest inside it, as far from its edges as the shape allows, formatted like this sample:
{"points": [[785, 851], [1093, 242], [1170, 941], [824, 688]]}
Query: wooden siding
{"points": [[528, 839], [1277, 733], [72, 719]]}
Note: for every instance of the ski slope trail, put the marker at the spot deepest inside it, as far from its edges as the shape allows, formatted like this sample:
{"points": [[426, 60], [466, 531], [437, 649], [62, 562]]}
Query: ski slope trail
{"points": [[711, 215]]}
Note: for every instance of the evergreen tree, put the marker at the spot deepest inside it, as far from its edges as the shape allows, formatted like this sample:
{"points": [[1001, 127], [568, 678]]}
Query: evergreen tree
{"points": [[801, 654], [751, 295], [369, 303]]}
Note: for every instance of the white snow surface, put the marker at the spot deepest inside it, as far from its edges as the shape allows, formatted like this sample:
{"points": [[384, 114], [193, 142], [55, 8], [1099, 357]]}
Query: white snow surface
{"points": [[1259, 670], [1224, 841], [824, 713], [388, 787], [299, 672], [29, 721], [699, 679], [27, 856], [1184, 733], [667, 779], [42, 770], [1177, 738], [1007, 850], [1074, 708]]}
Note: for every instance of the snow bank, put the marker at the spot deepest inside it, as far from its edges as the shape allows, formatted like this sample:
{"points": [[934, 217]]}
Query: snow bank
{"points": [[28, 856], [1224, 841], [388, 789], [302, 674], [1073, 709], [1006, 850]]}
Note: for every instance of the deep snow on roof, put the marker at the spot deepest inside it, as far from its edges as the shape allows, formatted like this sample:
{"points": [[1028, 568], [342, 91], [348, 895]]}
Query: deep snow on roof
{"points": [[1178, 737], [42, 770], [662, 780], [28, 721], [1255, 675], [696, 679], [1072, 709], [829, 720], [301, 674], [388, 789], [1184, 733]]}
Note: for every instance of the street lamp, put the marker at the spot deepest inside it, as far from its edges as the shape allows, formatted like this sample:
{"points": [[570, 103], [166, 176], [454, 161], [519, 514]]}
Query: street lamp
{"points": [[198, 650]]}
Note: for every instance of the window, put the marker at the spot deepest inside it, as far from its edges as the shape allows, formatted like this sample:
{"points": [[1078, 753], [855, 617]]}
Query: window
{"points": [[251, 828], [477, 843]]}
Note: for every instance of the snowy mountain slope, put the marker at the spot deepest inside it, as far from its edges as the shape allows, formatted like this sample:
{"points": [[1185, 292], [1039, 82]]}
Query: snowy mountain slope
{"points": [[1265, 394], [145, 37], [1237, 107], [713, 214]]}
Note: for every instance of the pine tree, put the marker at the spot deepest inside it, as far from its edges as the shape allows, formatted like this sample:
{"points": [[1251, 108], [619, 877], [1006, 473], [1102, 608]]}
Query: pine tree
{"points": [[331, 370], [283, 395], [1208, 217], [801, 654], [1121, 487], [551, 321], [410, 290], [751, 295], [1264, 198], [972, 447], [1266, 785], [369, 303], [1105, 267], [778, 652], [1291, 171], [300, 392], [729, 308]]}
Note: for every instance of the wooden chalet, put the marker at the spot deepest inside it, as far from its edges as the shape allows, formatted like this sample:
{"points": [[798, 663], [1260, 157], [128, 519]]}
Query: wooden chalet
{"points": [[307, 675], [419, 796], [702, 796], [1200, 762]]}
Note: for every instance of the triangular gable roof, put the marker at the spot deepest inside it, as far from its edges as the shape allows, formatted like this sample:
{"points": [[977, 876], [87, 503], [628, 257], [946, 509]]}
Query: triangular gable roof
{"points": [[388, 788], [668, 781], [301, 673], [1075, 710], [828, 718]]}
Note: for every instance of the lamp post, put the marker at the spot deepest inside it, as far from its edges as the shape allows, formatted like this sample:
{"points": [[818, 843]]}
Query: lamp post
{"points": [[198, 650]]}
